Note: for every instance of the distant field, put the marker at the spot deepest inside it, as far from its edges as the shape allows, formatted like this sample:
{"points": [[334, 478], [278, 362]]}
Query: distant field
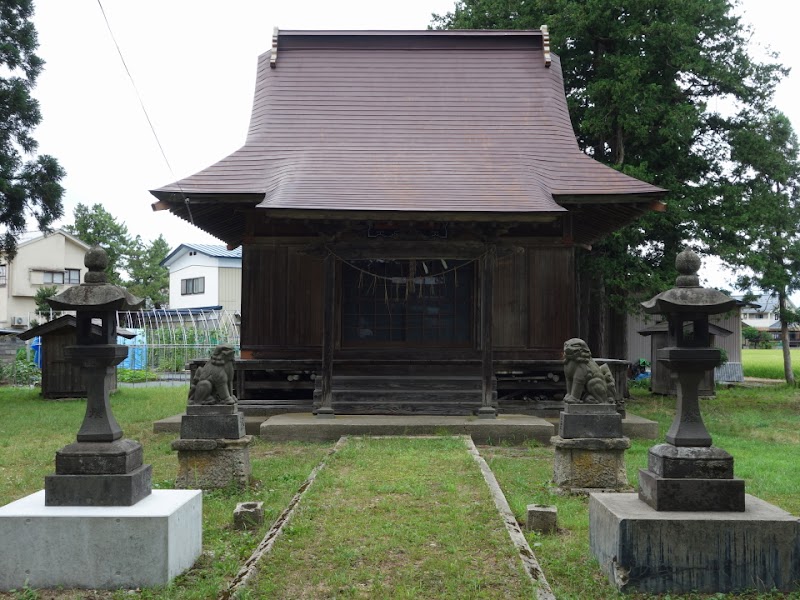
{"points": [[768, 363]]}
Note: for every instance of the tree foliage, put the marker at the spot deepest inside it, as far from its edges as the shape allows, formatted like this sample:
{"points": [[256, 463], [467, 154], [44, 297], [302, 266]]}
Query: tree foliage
{"points": [[644, 84], [43, 294], [757, 214], [98, 227], [148, 279], [29, 184], [132, 262]]}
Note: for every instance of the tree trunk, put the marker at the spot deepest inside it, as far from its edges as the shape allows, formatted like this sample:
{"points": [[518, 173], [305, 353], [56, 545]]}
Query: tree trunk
{"points": [[787, 355]]}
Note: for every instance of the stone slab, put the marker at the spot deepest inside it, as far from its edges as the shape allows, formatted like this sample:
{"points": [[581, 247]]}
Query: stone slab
{"points": [[211, 427], [633, 426], [705, 462], [512, 429], [122, 489], [212, 409], [252, 424], [144, 545], [571, 408], [640, 549], [95, 458], [595, 425], [681, 494], [226, 464]]}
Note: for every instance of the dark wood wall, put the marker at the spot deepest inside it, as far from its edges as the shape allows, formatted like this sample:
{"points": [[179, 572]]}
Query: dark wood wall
{"points": [[534, 303]]}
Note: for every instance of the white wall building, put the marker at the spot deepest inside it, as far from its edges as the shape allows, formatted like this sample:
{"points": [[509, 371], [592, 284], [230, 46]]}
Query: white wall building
{"points": [[55, 259], [205, 275]]}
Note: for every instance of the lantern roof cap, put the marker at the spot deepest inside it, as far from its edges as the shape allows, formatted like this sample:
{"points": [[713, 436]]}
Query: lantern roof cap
{"points": [[688, 296], [95, 293]]}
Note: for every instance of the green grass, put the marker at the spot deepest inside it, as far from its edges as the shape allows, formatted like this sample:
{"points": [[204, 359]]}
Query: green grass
{"points": [[396, 518], [366, 527], [31, 430], [768, 364]]}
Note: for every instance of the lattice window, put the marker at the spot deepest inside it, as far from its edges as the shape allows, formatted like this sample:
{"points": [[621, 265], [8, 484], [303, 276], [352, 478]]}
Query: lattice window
{"points": [[389, 302]]}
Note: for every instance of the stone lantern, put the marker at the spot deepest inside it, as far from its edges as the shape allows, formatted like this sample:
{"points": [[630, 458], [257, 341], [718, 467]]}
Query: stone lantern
{"points": [[691, 527], [688, 473], [100, 468]]}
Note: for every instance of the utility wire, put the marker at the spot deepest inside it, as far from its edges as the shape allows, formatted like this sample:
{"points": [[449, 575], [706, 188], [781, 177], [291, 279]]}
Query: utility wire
{"points": [[144, 110]]}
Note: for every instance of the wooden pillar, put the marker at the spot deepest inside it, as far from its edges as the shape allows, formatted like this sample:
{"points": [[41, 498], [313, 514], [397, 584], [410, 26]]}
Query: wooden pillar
{"points": [[325, 409], [487, 411]]}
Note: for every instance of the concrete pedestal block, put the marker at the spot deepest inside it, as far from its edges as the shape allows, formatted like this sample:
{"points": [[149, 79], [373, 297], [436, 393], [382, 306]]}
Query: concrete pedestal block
{"points": [[100, 547], [682, 494], [590, 463], [640, 549], [211, 464]]}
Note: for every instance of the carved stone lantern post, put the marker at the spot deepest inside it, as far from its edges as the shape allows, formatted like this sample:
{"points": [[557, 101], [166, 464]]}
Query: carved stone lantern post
{"points": [[688, 473], [100, 468]]}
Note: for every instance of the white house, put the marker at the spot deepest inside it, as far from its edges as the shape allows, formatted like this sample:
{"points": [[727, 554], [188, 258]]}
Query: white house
{"points": [[55, 259], [204, 275]]}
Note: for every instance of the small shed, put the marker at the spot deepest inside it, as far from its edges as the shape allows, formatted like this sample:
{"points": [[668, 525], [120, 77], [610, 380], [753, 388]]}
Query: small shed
{"points": [[661, 381], [60, 378]]}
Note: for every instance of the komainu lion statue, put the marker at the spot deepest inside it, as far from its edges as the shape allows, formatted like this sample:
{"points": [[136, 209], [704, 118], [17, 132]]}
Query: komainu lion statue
{"points": [[213, 382], [587, 382]]}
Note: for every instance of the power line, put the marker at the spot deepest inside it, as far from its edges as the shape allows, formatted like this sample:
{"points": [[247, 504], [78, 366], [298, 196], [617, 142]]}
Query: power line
{"points": [[144, 110]]}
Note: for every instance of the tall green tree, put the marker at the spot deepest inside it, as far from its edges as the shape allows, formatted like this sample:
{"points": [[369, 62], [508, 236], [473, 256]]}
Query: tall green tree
{"points": [[98, 227], [642, 82], [29, 184], [757, 214], [148, 279]]}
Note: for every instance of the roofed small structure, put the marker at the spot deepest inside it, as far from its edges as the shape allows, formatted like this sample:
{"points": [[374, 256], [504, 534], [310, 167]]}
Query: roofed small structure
{"points": [[409, 203]]}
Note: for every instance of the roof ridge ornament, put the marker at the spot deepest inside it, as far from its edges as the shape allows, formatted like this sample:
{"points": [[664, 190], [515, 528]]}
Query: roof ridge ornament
{"points": [[546, 45], [273, 60]]}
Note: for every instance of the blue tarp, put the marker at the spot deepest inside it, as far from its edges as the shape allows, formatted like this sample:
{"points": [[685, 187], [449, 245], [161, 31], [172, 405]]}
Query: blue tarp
{"points": [[137, 351], [36, 348]]}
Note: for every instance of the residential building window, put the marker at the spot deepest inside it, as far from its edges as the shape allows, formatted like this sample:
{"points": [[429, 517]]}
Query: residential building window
{"points": [[3, 275], [54, 276], [73, 276], [196, 285]]}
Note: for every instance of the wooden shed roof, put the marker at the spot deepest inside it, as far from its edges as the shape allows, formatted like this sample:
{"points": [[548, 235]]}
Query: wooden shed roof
{"points": [[405, 121]]}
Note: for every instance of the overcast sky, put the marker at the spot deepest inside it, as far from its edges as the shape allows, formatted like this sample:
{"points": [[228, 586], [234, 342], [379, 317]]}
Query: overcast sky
{"points": [[193, 63]]}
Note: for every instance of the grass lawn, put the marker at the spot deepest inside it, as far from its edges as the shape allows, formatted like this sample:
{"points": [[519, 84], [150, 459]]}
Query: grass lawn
{"points": [[396, 518], [768, 363]]}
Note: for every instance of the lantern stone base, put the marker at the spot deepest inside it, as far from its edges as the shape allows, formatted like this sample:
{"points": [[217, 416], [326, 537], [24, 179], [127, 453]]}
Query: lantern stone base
{"points": [[582, 463], [641, 549], [98, 474], [210, 464], [100, 547]]}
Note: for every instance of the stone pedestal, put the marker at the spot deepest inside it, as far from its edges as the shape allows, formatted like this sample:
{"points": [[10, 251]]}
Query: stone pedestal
{"points": [[590, 421], [590, 449], [641, 549], [690, 478], [210, 464], [213, 451], [583, 463], [98, 474], [100, 547], [210, 422]]}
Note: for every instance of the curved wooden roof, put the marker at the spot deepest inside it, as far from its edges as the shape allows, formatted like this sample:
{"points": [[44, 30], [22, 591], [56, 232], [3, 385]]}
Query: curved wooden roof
{"points": [[444, 121]]}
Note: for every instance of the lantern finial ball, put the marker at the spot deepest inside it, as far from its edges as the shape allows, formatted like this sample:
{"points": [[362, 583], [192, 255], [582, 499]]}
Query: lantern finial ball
{"points": [[687, 264], [96, 260]]}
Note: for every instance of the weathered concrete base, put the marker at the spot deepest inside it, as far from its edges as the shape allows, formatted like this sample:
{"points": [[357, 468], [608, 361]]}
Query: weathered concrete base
{"points": [[641, 549], [106, 547], [590, 463], [212, 464], [512, 429]]}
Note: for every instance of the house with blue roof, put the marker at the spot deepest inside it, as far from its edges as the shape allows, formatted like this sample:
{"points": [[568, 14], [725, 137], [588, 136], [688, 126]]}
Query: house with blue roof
{"points": [[205, 276]]}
